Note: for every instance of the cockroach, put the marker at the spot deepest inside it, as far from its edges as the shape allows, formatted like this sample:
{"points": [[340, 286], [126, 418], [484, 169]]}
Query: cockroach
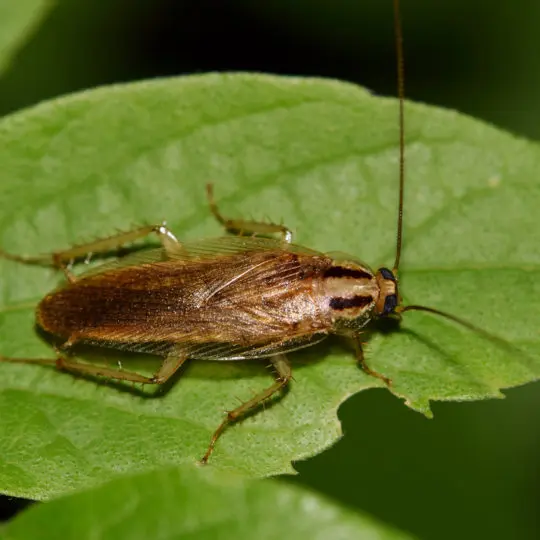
{"points": [[233, 298]]}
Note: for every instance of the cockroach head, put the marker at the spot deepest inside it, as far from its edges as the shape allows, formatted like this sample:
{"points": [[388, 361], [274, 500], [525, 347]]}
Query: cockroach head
{"points": [[388, 299]]}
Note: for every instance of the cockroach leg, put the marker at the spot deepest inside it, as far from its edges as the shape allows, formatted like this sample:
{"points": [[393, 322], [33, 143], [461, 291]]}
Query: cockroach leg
{"points": [[64, 259], [283, 375], [170, 365], [51, 260], [244, 227], [362, 361], [103, 245], [67, 345], [66, 269], [39, 361]]}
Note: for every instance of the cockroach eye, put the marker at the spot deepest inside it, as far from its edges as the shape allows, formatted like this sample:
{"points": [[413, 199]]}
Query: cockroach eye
{"points": [[390, 303]]}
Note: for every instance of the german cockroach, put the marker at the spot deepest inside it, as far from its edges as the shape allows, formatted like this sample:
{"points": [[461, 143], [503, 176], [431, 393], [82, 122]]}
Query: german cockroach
{"points": [[233, 298]]}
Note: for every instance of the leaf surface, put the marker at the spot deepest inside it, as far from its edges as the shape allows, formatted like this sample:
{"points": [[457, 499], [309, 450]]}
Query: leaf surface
{"points": [[189, 503], [321, 156]]}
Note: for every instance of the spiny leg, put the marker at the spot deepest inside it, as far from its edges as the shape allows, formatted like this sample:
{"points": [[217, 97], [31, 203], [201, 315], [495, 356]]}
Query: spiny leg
{"points": [[64, 259], [245, 227], [49, 259], [362, 361], [168, 368], [283, 375]]}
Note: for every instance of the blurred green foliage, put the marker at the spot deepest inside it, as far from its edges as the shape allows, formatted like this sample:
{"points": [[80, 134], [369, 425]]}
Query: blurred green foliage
{"points": [[480, 58], [479, 472], [166, 504], [18, 21]]}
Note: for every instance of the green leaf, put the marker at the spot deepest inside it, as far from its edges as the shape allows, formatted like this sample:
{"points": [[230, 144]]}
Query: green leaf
{"points": [[322, 157], [17, 22], [186, 502]]}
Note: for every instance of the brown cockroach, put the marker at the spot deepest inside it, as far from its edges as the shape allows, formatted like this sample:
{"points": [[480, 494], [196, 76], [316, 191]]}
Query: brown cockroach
{"points": [[233, 298]]}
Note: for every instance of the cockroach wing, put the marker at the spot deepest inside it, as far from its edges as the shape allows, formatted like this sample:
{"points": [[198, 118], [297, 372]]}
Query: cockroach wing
{"points": [[232, 351], [228, 245], [193, 347], [255, 300], [200, 250]]}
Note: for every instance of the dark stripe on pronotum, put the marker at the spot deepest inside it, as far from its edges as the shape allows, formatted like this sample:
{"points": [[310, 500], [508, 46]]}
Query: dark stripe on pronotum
{"points": [[342, 271], [338, 302]]}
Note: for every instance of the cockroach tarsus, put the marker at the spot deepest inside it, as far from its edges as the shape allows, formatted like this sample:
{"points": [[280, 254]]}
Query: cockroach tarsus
{"points": [[232, 298]]}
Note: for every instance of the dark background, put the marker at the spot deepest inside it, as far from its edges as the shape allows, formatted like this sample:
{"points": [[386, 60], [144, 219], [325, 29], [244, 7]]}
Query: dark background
{"points": [[473, 472]]}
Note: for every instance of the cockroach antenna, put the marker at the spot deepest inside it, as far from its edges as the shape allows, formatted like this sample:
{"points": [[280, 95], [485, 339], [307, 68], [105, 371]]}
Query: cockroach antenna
{"points": [[400, 64]]}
